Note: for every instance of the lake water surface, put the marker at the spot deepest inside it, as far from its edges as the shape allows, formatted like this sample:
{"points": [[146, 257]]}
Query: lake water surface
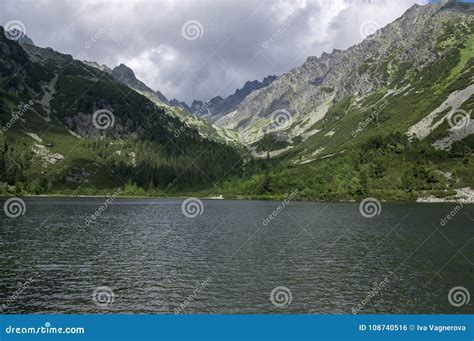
{"points": [[315, 257]]}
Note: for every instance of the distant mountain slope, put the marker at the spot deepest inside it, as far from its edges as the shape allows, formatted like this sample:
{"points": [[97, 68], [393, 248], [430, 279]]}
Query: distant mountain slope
{"points": [[125, 75], [218, 107], [390, 62]]}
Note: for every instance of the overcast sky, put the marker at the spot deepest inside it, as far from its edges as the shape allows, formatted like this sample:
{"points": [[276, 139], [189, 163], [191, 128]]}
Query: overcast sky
{"points": [[199, 49]]}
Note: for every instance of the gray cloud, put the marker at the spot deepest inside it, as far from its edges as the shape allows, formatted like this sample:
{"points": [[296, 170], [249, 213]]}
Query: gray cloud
{"points": [[241, 40]]}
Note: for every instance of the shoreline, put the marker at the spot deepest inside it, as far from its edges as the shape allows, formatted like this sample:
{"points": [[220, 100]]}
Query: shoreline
{"points": [[420, 200]]}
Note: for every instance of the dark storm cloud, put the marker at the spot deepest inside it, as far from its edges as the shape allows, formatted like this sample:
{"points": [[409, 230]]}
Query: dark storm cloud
{"points": [[232, 41]]}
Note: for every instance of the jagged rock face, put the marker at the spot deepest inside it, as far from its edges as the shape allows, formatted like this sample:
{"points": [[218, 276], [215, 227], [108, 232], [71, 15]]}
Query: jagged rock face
{"points": [[125, 75], [26, 40], [358, 71], [198, 108], [102, 67], [175, 103], [218, 106], [161, 97]]}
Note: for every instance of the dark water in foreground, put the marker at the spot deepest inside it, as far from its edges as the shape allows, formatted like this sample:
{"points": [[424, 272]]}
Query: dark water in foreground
{"points": [[155, 260]]}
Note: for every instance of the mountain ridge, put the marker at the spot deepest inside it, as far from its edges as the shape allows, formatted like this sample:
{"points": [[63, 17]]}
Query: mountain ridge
{"points": [[299, 89], [217, 106]]}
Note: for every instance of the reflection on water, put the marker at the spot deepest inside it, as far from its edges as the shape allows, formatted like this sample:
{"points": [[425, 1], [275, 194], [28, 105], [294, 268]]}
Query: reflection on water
{"points": [[145, 256]]}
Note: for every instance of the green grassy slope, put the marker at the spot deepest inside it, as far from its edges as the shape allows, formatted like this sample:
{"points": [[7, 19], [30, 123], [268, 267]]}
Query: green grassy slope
{"points": [[54, 147]]}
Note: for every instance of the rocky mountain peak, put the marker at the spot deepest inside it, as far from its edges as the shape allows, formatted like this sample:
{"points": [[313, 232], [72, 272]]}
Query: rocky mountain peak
{"points": [[24, 39], [123, 72]]}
